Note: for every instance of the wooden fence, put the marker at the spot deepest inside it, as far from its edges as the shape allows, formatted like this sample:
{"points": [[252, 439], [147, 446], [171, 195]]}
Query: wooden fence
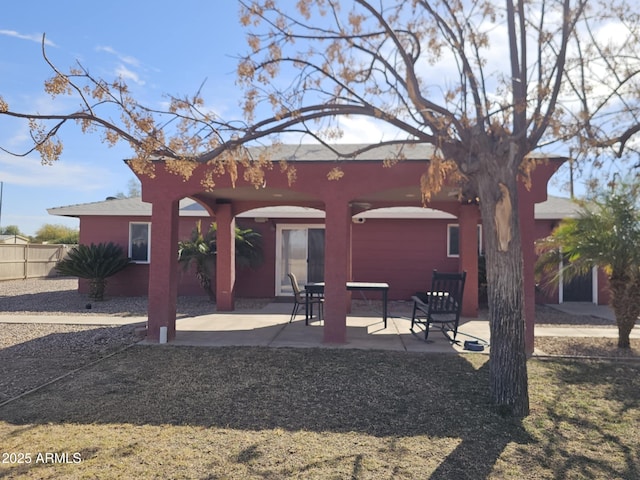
{"points": [[29, 261]]}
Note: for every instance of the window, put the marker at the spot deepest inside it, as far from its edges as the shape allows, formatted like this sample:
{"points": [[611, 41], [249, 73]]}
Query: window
{"points": [[139, 242], [453, 240]]}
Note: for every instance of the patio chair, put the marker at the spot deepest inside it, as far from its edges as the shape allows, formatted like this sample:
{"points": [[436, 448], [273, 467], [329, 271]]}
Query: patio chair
{"points": [[441, 305], [301, 298]]}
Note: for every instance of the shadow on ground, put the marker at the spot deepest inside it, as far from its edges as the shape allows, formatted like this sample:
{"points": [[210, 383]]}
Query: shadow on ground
{"points": [[392, 395], [389, 394]]}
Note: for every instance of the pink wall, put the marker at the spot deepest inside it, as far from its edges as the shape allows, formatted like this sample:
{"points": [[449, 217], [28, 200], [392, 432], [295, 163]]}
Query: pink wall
{"points": [[133, 281], [376, 245], [401, 252], [545, 294]]}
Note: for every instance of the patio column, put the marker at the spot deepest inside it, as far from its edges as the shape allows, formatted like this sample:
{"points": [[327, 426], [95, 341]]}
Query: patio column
{"points": [[337, 268], [468, 229], [163, 278], [526, 207], [225, 258]]}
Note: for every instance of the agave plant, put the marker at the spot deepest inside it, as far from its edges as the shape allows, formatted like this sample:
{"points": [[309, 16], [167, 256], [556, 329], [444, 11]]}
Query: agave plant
{"points": [[200, 250], [95, 263]]}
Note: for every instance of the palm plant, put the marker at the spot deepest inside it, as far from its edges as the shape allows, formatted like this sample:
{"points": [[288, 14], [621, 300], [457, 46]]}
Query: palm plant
{"points": [[201, 249], [606, 234], [95, 263], [248, 248]]}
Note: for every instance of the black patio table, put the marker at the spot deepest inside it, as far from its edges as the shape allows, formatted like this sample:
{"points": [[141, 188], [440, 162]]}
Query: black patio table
{"points": [[318, 287]]}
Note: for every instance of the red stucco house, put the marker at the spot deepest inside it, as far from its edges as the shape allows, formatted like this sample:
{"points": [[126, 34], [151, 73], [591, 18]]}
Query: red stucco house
{"points": [[368, 226], [383, 242]]}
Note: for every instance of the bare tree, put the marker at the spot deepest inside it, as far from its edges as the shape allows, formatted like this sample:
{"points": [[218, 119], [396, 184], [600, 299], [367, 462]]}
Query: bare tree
{"points": [[486, 82]]}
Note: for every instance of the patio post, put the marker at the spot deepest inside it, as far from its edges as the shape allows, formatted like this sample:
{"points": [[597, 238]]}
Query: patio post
{"points": [[337, 268], [526, 207], [225, 258], [163, 267], [468, 229]]}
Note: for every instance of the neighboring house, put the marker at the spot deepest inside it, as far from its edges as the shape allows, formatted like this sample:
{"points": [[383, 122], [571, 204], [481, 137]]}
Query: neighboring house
{"points": [[13, 239], [398, 245]]}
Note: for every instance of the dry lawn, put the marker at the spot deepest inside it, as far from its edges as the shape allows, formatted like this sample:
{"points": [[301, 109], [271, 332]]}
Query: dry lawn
{"points": [[242, 413], [164, 412]]}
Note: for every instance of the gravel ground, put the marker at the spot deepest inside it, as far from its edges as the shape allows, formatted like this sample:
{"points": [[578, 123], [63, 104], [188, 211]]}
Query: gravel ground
{"points": [[59, 296], [33, 354]]}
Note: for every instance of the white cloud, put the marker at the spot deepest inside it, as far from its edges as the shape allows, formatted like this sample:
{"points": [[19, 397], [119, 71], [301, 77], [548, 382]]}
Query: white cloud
{"points": [[128, 59], [126, 74], [33, 37], [127, 63]]}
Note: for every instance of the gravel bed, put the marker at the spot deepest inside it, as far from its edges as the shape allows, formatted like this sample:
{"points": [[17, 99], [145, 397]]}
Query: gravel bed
{"points": [[34, 354], [59, 296]]}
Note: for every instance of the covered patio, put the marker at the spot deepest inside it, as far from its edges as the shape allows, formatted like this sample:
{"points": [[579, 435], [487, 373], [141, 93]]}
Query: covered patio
{"points": [[268, 326], [367, 183]]}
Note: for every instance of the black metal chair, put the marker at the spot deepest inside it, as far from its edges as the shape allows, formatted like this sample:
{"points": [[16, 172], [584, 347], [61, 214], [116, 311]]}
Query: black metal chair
{"points": [[300, 298], [441, 305]]}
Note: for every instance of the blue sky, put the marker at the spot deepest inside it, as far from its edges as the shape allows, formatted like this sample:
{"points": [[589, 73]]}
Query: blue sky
{"points": [[158, 47]]}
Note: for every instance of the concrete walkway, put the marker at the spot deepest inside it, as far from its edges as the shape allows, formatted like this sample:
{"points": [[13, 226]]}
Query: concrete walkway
{"points": [[586, 309], [270, 327]]}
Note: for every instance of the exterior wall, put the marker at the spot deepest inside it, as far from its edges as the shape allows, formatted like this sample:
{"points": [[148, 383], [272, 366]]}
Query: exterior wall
{"points": [[604, 296], [261, 282], [376, 245], [132, 281], [401, 252], [545, 294]]}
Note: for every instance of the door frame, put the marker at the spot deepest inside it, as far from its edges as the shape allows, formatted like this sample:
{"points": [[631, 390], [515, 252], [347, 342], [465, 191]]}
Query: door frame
{"points": [[594, 286], [279, 228]]}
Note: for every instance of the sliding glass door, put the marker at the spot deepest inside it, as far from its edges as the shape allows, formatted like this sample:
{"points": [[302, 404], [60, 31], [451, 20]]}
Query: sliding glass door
{"points": [[299, 250]]}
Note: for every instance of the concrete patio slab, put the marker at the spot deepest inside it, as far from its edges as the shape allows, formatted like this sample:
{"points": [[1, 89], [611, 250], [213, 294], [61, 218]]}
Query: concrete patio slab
{"points": [[269, 327], [364, 331]]}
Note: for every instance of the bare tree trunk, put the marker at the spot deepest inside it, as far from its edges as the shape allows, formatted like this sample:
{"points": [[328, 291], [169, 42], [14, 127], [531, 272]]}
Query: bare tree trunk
{"points": [[503, 250]]}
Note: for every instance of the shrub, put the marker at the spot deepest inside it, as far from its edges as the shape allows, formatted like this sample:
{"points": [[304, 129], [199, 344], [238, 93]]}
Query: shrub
{"points": [[95, 263]]}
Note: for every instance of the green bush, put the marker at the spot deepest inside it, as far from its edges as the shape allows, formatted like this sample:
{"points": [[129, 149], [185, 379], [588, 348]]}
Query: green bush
{"points": [[201, 250], [95, 263]]}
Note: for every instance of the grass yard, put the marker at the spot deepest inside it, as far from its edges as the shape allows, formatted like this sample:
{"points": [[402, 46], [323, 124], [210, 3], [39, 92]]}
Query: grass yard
{"points": [[244, 413]]}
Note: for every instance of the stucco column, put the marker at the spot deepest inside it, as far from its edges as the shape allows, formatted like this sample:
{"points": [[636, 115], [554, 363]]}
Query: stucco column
{"points": [[337, 268], [526, 213], [468, 230], [225, 258], [163, 267]]}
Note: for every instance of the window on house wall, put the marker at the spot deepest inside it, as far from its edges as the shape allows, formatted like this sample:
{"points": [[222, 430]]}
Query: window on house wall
{"points": [[453, 240], [140, 242]]}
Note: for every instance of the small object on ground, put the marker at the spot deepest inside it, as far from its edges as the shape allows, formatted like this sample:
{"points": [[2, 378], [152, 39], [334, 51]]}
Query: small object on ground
{"points": [[473, 346], [88, 306]]}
